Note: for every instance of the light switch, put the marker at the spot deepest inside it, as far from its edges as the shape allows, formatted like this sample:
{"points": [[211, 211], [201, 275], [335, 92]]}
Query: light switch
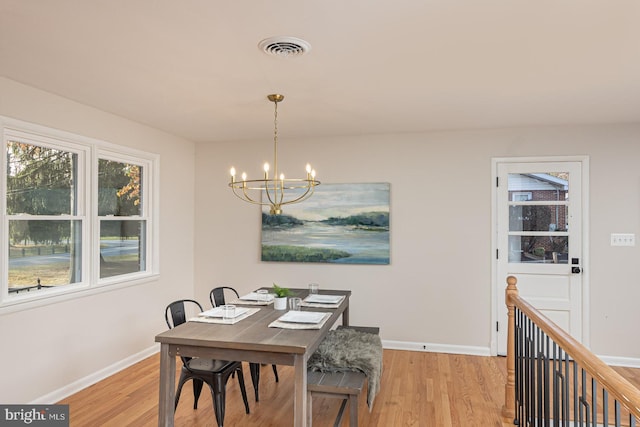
{"points": [[622, 239]]}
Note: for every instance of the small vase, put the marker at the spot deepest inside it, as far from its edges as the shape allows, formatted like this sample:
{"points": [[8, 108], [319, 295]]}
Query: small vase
{"points": [[280, 303]]}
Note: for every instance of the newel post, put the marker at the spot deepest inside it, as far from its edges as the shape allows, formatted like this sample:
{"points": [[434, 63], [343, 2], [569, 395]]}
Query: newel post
{"points": [[508, 410]]}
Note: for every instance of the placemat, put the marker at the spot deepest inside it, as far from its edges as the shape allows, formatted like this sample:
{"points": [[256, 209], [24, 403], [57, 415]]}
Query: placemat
{"points": [[290, 325], [221, 321]]}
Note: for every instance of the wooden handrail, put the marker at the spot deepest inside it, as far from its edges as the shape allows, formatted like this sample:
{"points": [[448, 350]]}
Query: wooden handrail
{"points": [[617, 386]]}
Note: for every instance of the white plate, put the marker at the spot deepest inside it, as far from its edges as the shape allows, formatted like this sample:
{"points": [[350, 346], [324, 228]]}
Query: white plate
{"points": [[324, 299], [217, 312], [302, 317], [254, 296]]}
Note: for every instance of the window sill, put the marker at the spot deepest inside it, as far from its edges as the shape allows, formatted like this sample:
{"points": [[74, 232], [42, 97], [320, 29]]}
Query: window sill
{"points": [[69, 292]]}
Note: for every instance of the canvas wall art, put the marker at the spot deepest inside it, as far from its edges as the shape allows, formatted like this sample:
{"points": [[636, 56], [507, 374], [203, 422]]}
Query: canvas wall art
{"points": [[340, 223]]}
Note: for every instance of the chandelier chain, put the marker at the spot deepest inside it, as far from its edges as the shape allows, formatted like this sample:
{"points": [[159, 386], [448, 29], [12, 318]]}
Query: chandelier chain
{"points": [[275, 140]]}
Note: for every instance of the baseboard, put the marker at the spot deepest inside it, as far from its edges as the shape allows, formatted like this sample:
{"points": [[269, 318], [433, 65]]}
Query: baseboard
{"points": [[627, 362], [82, 383], [436, 348]]}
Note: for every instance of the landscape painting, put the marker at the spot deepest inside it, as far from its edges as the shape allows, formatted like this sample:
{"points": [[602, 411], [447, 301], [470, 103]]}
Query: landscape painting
{"points": [[340, 223]]}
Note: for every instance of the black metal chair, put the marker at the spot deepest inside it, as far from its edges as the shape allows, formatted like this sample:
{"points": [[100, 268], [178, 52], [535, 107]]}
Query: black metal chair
{"points": [[217, 298], [213, 372]]}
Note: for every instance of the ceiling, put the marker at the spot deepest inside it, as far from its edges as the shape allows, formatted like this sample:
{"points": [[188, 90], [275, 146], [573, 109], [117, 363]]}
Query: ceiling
{"points": [[193, 68]]}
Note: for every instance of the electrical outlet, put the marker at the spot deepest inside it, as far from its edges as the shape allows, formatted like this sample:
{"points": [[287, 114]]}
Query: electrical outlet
{"points": [[620, 239]]}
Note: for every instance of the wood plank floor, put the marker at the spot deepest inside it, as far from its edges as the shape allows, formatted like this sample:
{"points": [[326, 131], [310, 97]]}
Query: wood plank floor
{"points": [[418, 389]]}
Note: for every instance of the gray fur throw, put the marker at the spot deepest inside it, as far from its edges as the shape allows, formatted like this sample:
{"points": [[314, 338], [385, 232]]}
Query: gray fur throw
{"points": [[351, 350]]}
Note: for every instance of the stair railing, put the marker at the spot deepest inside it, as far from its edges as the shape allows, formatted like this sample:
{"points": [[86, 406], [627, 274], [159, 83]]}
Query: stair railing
{"points": [[555, 381]]}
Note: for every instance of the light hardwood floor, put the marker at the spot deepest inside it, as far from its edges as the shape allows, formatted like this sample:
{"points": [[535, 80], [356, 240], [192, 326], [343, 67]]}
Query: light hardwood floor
{"points": [[418, 389]]}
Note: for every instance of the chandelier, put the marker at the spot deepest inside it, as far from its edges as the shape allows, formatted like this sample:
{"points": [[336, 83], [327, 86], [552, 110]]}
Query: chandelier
{"points": [[275, 191]]}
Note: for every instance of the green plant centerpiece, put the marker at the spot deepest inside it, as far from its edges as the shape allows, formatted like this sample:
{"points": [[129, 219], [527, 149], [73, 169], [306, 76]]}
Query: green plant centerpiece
{"points": [[280, 301], [281, 292]]}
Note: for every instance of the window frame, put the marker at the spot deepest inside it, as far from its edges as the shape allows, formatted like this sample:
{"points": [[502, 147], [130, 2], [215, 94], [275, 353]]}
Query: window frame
{"points": [[146, 164], [89, 151]]}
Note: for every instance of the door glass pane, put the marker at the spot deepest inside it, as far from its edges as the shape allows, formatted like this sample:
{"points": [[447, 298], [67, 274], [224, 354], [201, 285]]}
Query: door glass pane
{"points": [[539, 187], [40, 180], [538, 217], [539, 249], [122, 248], [44, 252]]}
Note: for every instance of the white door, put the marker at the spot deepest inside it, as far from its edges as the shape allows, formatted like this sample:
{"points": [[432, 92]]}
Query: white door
{"points": [[539, 224]]}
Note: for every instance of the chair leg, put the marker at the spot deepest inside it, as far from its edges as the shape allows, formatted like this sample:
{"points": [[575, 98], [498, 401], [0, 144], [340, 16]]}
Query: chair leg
{"points": [[197, 389], [243, 389], [275, 372], [254, 368], [181, 382], [218, 395]]}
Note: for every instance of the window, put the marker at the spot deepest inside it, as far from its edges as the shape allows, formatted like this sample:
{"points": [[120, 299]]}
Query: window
{"points": [[521, 196], [122, 224], [77, 213]]}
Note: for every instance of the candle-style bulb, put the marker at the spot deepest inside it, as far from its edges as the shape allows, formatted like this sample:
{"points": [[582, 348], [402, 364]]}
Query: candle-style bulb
{"points": [[308, 168], [266, 167], [313, 173], [244, 176], [281, 177], [233, 171]]}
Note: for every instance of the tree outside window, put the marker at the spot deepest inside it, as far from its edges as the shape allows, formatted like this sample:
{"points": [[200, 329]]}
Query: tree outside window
{"points": [[45, 230], [122, 231]]}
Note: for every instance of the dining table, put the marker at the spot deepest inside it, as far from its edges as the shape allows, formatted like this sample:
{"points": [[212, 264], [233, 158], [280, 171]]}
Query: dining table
{"points": [[250, 339]]}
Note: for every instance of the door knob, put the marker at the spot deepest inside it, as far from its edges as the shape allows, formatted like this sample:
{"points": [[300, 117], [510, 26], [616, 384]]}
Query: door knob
{"points": [[575, 270]]}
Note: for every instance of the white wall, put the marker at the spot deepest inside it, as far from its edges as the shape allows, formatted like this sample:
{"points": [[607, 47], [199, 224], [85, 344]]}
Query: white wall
{"points": [[440, 240], [440, 269], [49, 350]]}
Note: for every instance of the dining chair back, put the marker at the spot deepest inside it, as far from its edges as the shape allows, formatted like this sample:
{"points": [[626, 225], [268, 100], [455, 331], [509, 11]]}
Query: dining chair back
{"points": [[213, 372], [217, 298], [217, 295]]}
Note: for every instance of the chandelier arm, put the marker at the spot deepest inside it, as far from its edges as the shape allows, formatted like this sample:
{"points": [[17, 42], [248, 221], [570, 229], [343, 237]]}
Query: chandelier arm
{"points": [[246, 196], [292, 184], [277, 188], [268, 193], [304, 196], [281, 186]]}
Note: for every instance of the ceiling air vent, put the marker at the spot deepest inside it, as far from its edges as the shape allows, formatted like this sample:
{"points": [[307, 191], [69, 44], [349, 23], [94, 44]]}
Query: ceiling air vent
{"points": [[284, 46]]}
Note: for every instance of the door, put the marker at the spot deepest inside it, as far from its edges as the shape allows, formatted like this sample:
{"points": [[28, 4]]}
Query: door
{"points": [[539, 239]]}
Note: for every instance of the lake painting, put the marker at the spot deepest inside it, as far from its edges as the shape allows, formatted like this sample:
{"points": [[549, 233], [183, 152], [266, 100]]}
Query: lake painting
{"points": [[340, 223]]}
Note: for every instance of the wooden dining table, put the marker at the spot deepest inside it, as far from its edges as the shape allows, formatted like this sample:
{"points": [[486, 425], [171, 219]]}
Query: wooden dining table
{"points": [[251, 340]]}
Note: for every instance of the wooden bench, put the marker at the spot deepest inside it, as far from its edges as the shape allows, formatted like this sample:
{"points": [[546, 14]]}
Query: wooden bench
{"points": [[342, 385]]}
